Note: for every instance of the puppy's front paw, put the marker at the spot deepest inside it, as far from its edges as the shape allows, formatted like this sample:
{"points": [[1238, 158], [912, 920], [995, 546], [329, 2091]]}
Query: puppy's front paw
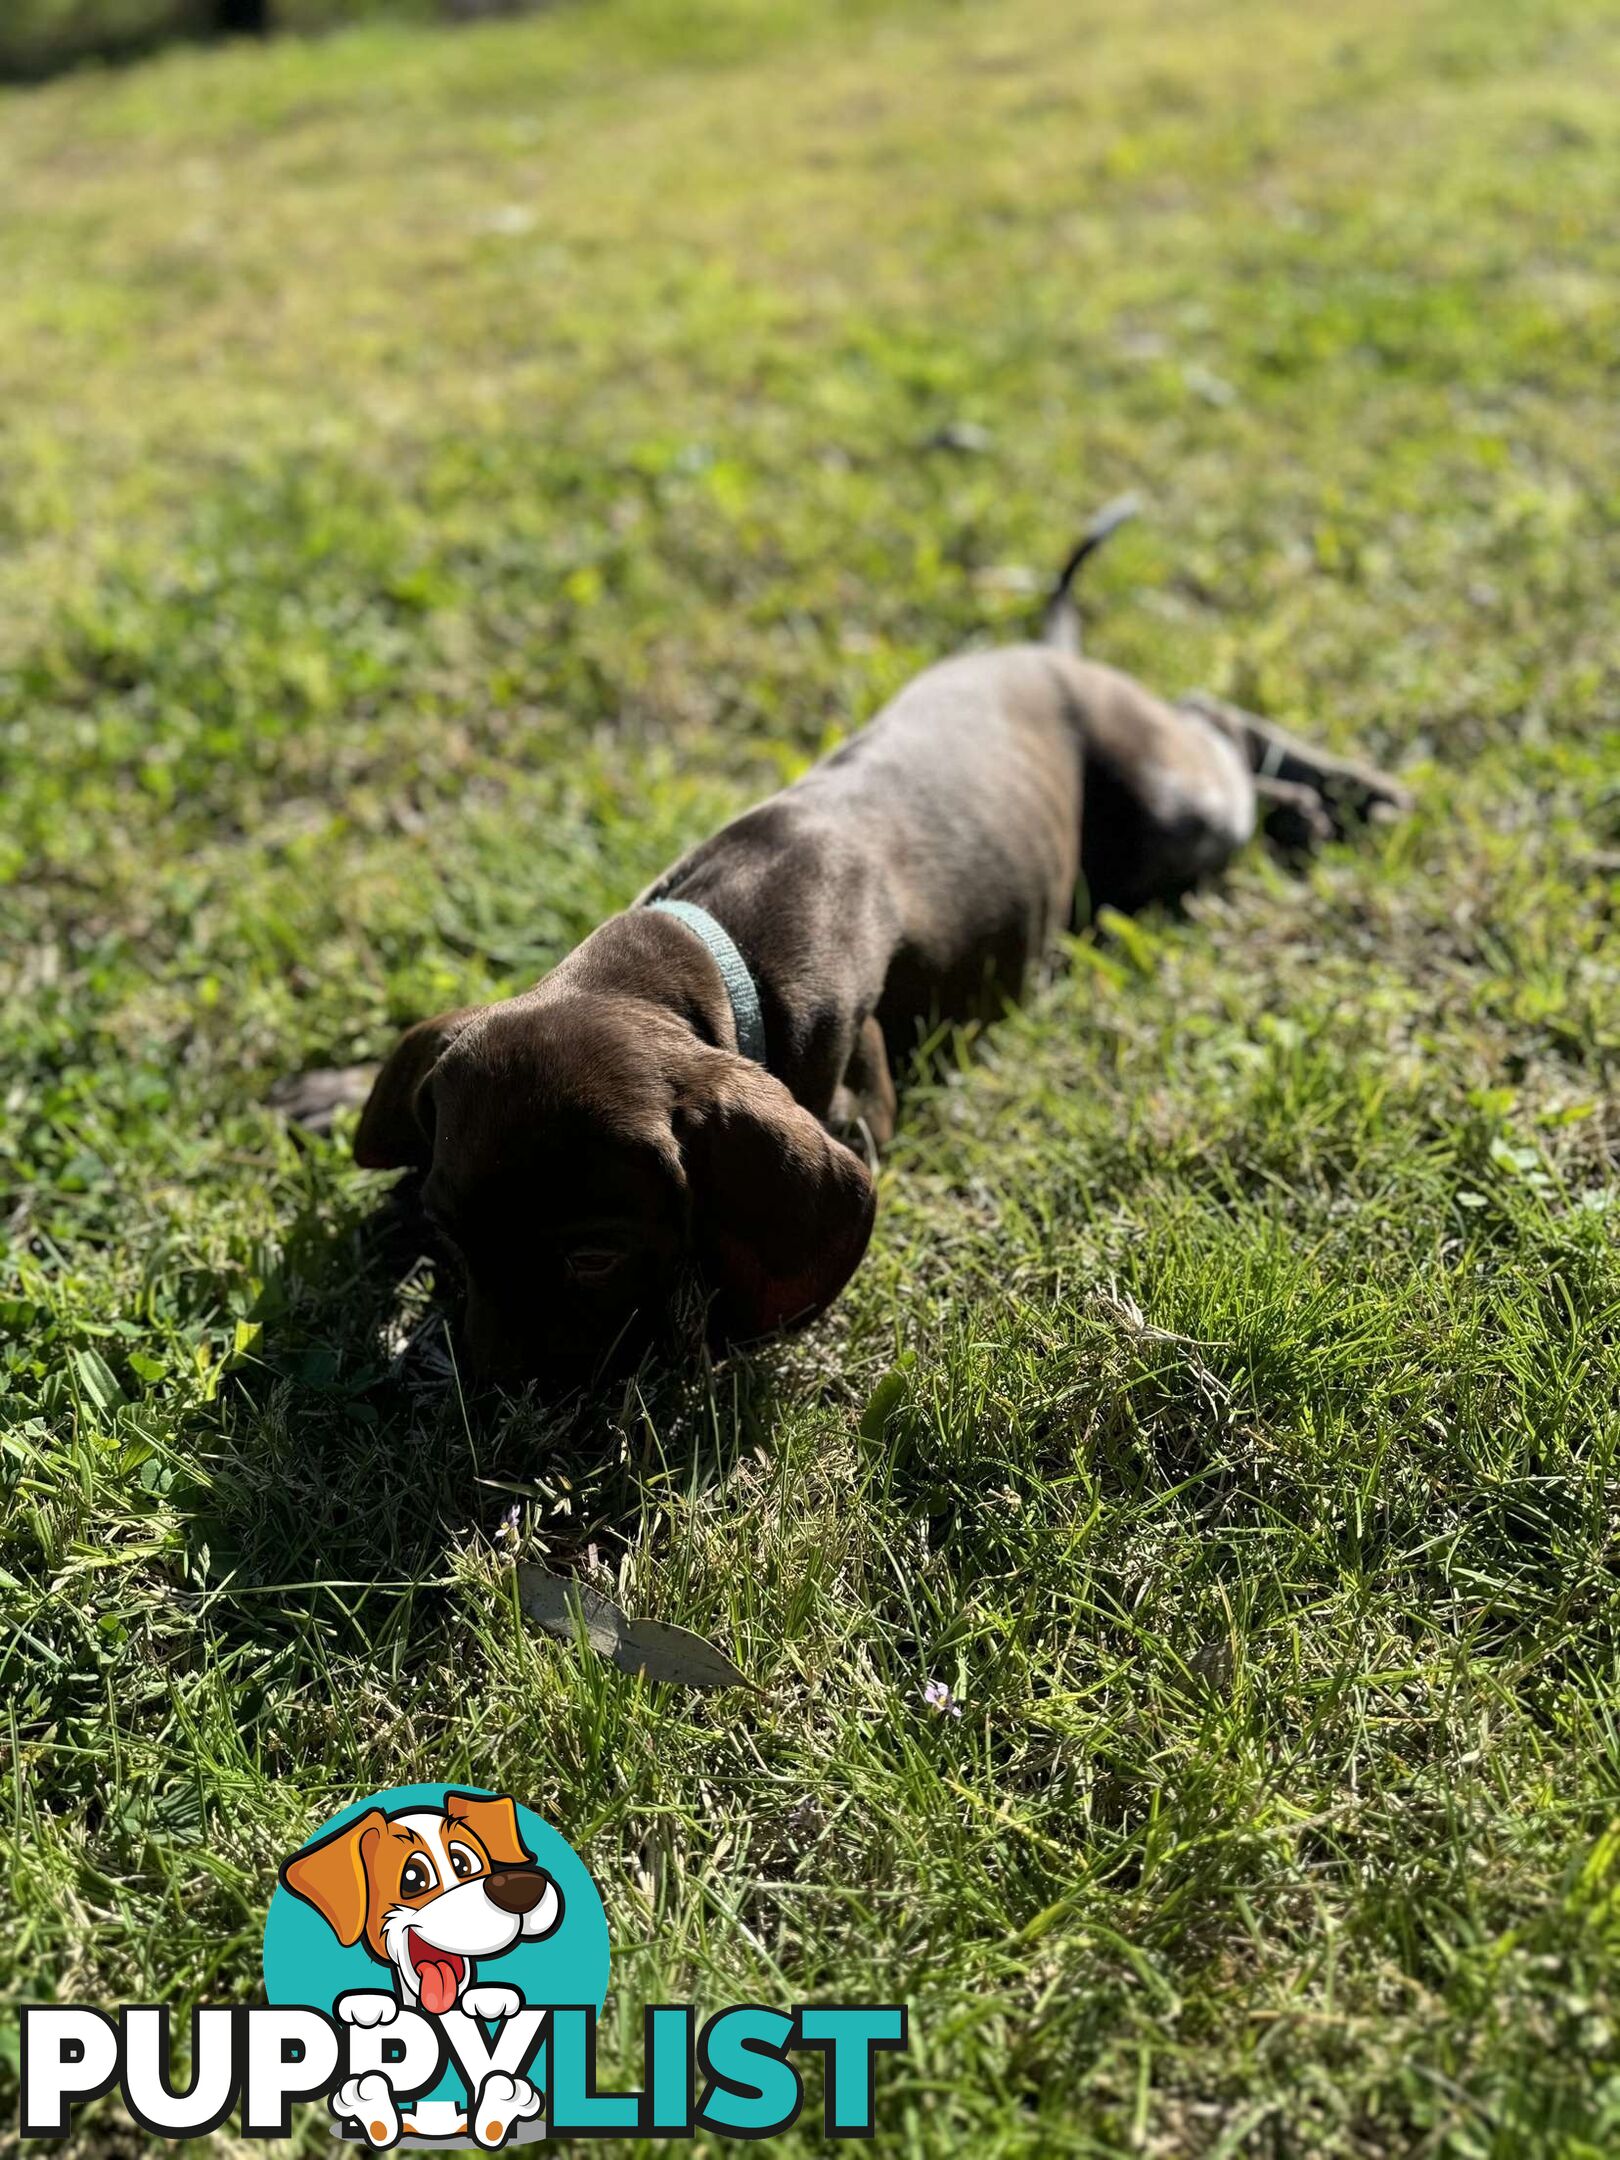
{"points": [[503, 2102], [365, 2006], [491, 2002], [369, 2101]]}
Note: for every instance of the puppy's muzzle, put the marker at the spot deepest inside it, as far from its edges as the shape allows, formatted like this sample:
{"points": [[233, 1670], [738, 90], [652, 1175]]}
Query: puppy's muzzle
{"points": [[516, 1890]]}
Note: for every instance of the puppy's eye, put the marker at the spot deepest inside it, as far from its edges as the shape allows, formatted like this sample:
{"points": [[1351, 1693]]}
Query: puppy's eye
{"points": [[416, 1877], [592, 1264], [464, 1861]]}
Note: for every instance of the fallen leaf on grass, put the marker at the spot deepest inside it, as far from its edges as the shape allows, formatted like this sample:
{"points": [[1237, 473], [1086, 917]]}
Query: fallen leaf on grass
{"points": [[966, 437], [562, 1605], [313, 1099], [560, 1602]]}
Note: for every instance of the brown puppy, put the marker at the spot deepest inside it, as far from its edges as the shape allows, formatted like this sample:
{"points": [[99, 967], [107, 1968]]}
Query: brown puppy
{"points": [[665, 1095]]}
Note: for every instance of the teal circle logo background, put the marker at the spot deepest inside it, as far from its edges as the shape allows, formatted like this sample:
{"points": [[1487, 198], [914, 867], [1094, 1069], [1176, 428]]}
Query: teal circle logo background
{"points": [[304, 1962]]}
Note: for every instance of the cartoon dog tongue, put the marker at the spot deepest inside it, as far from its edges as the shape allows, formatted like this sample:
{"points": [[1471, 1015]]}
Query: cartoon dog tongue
{"points": [[436, 1977]]}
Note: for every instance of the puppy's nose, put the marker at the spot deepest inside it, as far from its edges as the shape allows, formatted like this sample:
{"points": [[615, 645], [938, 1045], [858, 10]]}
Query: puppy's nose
{"points": [[516, 1890]]}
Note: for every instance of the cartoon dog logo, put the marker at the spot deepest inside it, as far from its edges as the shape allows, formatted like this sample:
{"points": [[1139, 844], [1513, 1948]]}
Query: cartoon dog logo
{"points": [[430, 1892]]}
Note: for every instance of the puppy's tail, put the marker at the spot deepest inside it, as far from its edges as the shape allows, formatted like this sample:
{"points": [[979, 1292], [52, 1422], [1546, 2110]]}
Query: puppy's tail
{"points": [[1060, 624]]}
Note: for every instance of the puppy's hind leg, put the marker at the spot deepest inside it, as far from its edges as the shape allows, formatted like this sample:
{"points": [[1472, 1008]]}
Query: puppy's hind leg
{"points": [[1305, 794], [1168, 797]]}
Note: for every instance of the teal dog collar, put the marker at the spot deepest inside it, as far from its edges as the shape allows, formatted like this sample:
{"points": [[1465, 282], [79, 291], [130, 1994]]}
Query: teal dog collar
{"points": [[734, 973]]}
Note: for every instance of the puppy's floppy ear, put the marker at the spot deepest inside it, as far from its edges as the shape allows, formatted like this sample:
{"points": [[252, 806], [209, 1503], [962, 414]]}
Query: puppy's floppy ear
{"points": [[494, 1823], [782, 1212], [393, 1133], [331, 1876]]}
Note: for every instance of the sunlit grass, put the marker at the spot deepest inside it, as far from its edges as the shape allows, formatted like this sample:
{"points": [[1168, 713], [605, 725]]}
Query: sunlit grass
{"points": [[443, 473]]}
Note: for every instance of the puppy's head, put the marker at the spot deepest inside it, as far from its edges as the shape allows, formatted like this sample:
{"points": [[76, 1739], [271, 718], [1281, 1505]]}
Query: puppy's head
{"points": [[586, 1151], [429, 1890]]}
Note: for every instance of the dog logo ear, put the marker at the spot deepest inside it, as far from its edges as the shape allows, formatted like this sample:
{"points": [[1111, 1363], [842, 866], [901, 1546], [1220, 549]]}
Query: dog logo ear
{"points": [[495, 1825], [331, 1876], [395, 1130], [782, 1211]]}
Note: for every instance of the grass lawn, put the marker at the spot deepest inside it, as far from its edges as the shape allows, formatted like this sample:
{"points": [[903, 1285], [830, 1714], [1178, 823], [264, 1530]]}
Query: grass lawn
{"points": [[441, 474]]}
